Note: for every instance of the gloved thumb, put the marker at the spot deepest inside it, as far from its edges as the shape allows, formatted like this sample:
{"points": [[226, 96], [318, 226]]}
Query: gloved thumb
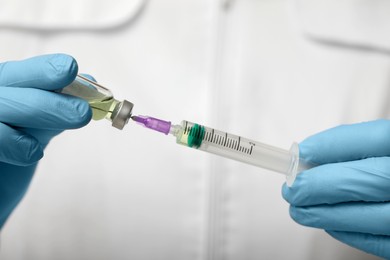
{"points": [[348, 143]]}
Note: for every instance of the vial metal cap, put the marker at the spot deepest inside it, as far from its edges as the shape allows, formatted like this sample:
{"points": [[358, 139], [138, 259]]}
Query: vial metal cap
{"points": [[122, 115]]}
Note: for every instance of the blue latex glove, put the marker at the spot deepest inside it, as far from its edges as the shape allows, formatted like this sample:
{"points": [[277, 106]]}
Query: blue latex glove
{"points": [[30, 115], [349, 194]]}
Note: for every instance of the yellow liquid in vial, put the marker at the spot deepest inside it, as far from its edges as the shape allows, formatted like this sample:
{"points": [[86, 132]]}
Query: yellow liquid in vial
{"points": [[102, 104], [102, 108]]}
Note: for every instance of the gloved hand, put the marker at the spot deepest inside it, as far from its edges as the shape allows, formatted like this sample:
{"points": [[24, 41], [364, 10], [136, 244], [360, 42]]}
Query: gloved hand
{"points": [[30, 115], [348, 195]]}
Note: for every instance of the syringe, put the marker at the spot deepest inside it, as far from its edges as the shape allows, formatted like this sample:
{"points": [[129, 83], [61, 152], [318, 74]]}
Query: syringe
{"points": [[231, 146]]}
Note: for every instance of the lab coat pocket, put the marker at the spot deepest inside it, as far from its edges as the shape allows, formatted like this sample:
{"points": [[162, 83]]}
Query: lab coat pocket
{"points": [[352, 23], [67, 14]]}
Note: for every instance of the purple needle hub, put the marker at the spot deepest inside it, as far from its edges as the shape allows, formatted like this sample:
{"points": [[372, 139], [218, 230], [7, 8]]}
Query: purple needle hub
{"points": [[153, 123]]}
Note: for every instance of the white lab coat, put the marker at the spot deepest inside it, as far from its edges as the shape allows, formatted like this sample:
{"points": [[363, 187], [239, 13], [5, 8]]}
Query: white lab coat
{"points": [[274, 71]]}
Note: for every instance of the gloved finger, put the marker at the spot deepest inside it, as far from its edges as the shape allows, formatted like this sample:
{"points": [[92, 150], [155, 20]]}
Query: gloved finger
{"points": [[34, 108], [43, 136], [348, 143], [372, 244], [362, 217], [362, 180], [49, 72], [18, 148]]}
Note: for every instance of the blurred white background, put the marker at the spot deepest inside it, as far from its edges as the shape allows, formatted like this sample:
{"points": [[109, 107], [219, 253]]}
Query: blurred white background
{"points": [[270, 70]]}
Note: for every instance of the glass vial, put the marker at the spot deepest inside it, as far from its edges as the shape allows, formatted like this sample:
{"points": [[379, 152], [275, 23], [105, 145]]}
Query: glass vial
{"points": [[101, 101]]}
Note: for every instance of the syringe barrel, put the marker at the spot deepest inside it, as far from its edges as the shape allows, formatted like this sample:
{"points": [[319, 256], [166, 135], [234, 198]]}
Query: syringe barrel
{"points": [[241, 149]]}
